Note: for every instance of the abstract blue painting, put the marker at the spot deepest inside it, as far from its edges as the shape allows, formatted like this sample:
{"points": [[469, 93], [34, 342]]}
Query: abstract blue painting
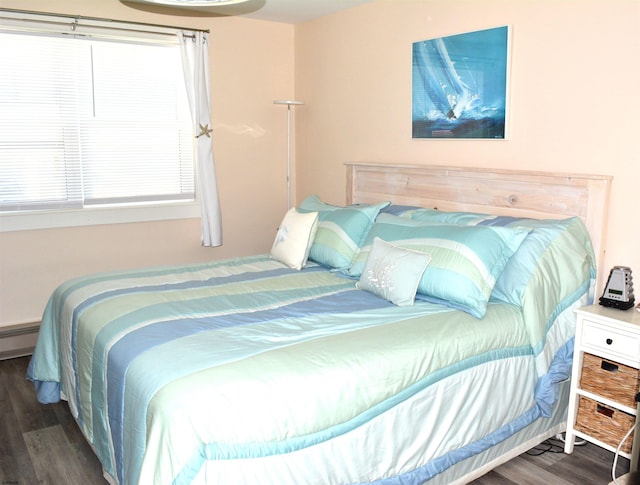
{"points": [[460, 85]]}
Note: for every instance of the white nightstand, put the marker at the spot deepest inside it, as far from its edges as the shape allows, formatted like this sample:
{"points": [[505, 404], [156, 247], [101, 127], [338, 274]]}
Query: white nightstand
{"points": [[605, 379]]}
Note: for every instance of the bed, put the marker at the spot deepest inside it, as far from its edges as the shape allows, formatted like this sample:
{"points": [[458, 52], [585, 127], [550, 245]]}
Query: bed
{"points": [[423, 334]]}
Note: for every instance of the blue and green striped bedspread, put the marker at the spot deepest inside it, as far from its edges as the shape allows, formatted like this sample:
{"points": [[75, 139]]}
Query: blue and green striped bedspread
{"points": [[167, 368]]}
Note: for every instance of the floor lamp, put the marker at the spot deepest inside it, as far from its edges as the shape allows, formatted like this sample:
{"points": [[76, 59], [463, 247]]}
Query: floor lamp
{"points": [[289, 103]]}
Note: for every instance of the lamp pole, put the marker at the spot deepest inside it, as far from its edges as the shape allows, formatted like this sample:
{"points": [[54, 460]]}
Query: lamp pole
{"points": [[289, 103]]}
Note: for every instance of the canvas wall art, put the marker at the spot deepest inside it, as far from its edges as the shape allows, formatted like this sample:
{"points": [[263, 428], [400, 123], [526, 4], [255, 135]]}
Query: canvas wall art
{"points": [[460, 85]]}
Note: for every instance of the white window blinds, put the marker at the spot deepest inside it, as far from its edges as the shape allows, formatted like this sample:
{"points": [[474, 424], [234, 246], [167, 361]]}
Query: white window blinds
{"points": [[89, 122]]}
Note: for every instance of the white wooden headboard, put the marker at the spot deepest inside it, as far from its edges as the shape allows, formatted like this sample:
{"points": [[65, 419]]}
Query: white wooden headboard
{"points": [[518, 193]]}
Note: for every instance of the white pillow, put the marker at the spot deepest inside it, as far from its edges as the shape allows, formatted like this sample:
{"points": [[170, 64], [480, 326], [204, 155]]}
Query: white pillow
{"points": [[294, 238], [393, 273]]}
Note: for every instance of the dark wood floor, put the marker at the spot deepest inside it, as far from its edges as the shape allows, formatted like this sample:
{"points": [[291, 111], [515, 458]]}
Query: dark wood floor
{"points": [[41, 444]]}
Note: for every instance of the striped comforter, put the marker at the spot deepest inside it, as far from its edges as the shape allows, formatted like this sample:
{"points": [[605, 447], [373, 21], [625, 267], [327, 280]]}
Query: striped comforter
{"points": [[173, 371]]}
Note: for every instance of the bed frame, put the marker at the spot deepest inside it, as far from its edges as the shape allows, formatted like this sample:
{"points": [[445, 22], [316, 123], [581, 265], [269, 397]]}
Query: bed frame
{"points": [[540, 195], [518, 193]]}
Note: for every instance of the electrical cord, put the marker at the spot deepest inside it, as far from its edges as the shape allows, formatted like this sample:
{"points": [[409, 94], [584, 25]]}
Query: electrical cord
{"points": [[617, 453], [547, 446], [615, 457], [552, 445], [576, 442]]}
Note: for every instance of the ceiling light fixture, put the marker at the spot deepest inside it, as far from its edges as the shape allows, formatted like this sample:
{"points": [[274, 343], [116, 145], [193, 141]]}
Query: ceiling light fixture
{"points": [[194, 3], [215, 7]]}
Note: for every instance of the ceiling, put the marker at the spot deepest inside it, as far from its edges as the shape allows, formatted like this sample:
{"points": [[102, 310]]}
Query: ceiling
{"points": [[286, 11]]}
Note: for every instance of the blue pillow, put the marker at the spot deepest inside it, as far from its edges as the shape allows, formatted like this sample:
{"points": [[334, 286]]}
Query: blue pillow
{"points": [[393, 273], [341, 230], [465, 263], [544, 260], [548, 258]]}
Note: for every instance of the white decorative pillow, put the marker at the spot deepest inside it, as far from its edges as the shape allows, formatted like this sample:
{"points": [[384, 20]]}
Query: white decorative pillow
{"points": [[294, 238], [393, 273]]}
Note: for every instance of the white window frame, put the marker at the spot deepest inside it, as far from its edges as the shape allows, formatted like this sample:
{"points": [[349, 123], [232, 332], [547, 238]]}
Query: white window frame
{"points": [[19, 21]]}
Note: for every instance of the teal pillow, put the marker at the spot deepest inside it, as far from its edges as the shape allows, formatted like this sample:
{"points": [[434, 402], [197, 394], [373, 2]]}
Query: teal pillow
{"points": [[465, 263], [393, 273], [554, 252], [341, 230]]}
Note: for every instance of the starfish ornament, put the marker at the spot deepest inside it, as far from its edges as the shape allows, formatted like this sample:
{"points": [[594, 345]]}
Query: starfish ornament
{"points": [[205, 130]]}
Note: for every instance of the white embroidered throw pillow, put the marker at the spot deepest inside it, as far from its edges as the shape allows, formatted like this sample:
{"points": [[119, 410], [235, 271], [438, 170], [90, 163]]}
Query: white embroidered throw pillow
{"points": [[393, 273], [294, 238]]}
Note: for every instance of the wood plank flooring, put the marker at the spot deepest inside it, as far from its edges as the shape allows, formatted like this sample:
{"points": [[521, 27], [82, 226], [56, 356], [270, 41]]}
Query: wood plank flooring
{"points": [[41, 444]]}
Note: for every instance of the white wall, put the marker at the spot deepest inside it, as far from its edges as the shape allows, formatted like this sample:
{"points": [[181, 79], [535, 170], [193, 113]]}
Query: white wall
{"points": [[574, 91]]}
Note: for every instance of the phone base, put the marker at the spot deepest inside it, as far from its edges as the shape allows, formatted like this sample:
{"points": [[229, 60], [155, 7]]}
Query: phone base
{"points": [[620, 305]]}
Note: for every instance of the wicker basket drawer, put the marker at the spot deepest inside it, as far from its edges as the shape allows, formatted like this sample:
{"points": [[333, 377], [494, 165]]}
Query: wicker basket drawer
{"points": [[605, 423], [610, 379]]}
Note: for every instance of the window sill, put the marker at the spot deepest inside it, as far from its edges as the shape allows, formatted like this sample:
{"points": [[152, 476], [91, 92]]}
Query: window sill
{"points": [[26, 221]]}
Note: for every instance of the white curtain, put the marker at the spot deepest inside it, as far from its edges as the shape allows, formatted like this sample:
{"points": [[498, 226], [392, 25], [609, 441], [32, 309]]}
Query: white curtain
{"points": [[195, 61]]}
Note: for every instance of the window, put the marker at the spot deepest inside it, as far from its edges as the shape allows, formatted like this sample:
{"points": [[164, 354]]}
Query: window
{"points": [[90, 124]]}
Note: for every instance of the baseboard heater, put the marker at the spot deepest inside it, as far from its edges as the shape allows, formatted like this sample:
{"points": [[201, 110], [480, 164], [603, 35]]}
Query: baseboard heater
{"points": [[18, 340]]}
